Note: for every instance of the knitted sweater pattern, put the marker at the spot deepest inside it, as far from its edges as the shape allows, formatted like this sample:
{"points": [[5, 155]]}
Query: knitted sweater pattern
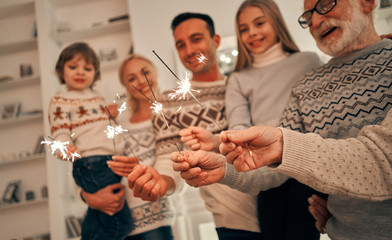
{"points": [[225, 203], [146, 215], [81, 114], [336, 101]]}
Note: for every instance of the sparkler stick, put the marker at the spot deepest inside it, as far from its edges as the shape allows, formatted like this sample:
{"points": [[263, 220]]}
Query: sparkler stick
{"points": [[185, 87], [120, 130], [157, 106]]}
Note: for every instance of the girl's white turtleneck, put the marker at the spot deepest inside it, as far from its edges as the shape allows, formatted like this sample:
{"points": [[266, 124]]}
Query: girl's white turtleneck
{"points": [[272, 55]]}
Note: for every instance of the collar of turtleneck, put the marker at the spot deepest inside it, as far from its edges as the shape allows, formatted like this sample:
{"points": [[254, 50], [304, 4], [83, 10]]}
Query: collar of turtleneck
{"points": [[272, 55]]}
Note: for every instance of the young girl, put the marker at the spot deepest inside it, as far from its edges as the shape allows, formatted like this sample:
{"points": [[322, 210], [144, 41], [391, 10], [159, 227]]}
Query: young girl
{"points": [[153, 219], [80, 112], [268, 65]]}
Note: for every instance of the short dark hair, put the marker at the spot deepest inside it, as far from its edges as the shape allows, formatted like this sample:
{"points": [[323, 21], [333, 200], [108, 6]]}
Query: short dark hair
{"points": [[73, 49], [188, 15]]}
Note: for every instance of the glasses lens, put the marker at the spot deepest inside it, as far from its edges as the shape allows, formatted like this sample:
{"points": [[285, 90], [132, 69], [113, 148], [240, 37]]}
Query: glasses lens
{"points": [[324, 6], [305, 19]]}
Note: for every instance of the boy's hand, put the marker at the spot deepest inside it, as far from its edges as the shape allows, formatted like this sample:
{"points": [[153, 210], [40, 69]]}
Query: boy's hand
{"points": [[113, 109]]}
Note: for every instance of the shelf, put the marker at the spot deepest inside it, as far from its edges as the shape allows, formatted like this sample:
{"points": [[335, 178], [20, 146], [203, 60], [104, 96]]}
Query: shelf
{"points": [[385, 13], [7, 48], [109, 28], [20, 120], [65, 3], [24, 159], [23, 203], [9, 8], [12, 83], [112, 65]]}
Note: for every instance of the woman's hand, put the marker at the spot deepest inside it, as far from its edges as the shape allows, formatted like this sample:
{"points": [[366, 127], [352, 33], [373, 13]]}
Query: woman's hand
{"points": [[122, 165]]}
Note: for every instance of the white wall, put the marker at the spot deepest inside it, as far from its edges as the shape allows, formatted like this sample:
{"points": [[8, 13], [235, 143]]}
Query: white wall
{"points": [[151, 20]]}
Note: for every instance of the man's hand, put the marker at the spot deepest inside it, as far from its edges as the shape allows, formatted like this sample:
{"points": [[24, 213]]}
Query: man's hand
{"points": [[105, 199], [318, 208], [199, 168], [197, 138], [252, 148], [146, 183], [122, 165]]}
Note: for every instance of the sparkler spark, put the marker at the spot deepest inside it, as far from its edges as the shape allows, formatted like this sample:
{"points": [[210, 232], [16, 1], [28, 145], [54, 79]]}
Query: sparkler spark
{"points": [[56, 145], [112, 131], [156, 107], [185, 88], [201, 58], [119, 97], [122, 108]]}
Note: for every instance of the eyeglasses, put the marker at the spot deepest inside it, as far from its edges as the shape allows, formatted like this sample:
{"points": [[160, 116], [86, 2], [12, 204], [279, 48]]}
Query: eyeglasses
{"points": [[322, 7]]}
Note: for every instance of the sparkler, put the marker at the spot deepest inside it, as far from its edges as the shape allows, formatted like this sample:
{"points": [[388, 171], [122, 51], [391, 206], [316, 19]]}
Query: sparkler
{"points": [[118, 130], [156, 106], [122, 108], [184, 88], [56, 145]]}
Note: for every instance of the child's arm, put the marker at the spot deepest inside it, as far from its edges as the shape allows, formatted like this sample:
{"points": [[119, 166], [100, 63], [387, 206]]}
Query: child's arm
{"points": [[61, 125], [198, 138]]}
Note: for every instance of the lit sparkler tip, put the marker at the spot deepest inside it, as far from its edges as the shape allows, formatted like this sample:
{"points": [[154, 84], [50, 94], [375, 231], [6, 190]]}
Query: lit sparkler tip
{"points": [[122, 108], [201, 58], [112, 131], [56, 145], [156, 107]]}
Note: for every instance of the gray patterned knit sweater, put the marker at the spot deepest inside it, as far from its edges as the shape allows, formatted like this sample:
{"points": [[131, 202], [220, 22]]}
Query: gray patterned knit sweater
{"points": [[336, 101]]}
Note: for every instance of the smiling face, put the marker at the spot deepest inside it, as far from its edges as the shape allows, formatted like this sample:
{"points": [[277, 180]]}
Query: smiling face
{"points": [[193, 40], [132, 75], [338, 32], [256, 31], [78, 74]]}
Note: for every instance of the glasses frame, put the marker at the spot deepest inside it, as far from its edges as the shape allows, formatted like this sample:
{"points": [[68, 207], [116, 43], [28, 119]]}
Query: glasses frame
{"points": [[305, 24]]}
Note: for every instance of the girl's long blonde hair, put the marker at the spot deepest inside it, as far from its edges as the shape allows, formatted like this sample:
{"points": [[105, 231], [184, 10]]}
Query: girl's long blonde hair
{"points": [[273, 14], [132, 100]]}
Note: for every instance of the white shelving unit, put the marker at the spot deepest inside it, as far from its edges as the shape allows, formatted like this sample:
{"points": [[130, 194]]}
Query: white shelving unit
{"points": [[21, 19]]}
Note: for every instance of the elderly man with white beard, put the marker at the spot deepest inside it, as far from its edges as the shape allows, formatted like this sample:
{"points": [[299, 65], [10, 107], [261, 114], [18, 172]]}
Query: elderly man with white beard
{"points": [[352, 90]]}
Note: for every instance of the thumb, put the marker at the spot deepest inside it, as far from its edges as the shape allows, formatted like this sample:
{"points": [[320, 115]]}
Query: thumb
{"points": [[243, 136], [116, 186]]}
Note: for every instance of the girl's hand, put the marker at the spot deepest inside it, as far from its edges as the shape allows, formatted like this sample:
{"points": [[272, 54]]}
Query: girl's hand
{"points": [[198, 138]]}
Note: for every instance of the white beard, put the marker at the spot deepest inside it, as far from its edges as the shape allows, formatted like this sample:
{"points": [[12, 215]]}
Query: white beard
{"points": [[351, 30]]}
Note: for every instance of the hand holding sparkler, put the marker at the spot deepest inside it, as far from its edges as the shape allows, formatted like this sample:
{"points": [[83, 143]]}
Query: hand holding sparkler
{"points": [[113, 110], [252, 148], [199, 168], [123, 165], [198, 138], [146, 183]]}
